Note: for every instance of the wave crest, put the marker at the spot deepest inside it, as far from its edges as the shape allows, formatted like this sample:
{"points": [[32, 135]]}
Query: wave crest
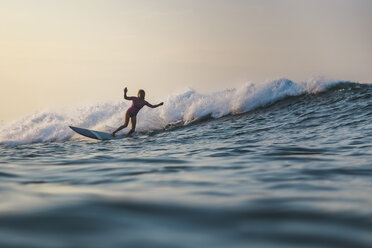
{"points": [[182, 107]]}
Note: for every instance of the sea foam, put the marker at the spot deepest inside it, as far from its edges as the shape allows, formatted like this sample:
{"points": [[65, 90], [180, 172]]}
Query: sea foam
{"points": [[184, 107]]}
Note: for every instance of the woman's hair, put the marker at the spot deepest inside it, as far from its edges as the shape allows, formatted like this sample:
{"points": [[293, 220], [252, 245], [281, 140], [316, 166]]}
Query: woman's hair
{"points": [[141, 92]]}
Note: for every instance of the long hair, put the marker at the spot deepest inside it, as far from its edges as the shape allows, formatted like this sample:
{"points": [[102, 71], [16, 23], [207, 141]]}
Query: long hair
{"points": [[141, 93]]}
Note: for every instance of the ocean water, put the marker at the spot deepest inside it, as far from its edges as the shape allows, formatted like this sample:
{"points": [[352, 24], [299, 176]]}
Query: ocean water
{"points": [[277, 164]]}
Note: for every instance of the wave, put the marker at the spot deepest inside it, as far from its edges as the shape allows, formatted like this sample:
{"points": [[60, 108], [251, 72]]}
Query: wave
{"points": [[262, 223], [181, 108]]}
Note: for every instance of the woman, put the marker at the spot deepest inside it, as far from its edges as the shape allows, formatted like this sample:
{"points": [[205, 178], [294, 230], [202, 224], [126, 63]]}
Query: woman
{"points": [[138, 103]]}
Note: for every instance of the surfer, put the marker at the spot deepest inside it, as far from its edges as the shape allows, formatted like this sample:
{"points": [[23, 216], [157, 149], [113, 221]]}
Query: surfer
{"points": [[138, 103]]}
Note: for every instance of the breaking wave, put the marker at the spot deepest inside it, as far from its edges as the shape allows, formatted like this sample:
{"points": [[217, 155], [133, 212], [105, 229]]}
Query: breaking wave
{"points": [[180, 109]]}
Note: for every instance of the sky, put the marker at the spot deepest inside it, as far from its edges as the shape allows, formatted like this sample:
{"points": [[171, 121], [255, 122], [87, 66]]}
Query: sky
{"points": [[64, 53]]}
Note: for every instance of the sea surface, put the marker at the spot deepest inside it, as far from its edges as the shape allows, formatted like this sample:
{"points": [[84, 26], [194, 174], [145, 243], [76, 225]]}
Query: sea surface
{"points": [[276, 164]]}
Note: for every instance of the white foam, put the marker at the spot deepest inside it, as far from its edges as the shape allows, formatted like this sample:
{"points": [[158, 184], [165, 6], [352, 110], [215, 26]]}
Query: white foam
{"points": [[184, 107]]}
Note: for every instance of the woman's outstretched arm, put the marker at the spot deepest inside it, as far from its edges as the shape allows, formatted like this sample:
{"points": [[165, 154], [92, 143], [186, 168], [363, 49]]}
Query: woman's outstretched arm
{"points": [[154, 106]]}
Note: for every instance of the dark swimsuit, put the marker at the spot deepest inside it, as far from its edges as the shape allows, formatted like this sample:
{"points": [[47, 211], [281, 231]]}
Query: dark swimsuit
{"points": [[138, 103]]}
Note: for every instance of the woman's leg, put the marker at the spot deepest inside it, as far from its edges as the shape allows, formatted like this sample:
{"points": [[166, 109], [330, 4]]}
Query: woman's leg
{"points": [[126, 121], [133, 121]]}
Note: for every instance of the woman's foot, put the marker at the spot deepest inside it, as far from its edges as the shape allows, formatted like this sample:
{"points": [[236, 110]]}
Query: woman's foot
{"points": [[113, 134]]}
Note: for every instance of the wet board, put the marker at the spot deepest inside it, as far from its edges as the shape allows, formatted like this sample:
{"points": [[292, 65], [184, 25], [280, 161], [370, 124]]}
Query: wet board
{"points": [[95, 134]]}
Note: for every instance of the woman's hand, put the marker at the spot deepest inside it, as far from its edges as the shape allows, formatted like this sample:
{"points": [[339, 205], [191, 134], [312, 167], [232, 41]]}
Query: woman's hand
{"points": [[160, 104], [125, 90]]}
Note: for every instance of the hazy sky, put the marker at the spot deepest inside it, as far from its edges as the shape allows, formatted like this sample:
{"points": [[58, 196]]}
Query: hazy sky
{"points": [[66, 52]]}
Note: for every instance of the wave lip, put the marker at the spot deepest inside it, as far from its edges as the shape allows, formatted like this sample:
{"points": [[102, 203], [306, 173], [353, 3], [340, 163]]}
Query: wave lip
{"points": [[182, 108]]}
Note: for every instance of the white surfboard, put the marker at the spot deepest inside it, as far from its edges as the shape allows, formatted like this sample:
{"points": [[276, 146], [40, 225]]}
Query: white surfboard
{"points": [[95, 134]]}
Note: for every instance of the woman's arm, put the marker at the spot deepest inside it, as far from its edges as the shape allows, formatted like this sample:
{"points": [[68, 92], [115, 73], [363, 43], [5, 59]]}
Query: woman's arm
{"points": [[125, 95], [153, 106]]}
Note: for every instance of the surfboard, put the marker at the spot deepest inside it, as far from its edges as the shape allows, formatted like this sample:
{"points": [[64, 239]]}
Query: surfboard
{"points": [[95, 134]]}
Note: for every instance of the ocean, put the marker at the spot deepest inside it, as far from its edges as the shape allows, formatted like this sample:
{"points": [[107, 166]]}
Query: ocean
{"points": [[276, 164]]}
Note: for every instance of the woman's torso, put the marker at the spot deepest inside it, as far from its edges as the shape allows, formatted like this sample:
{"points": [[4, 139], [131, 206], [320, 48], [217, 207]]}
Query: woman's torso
{"points": [[137, 104]]}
